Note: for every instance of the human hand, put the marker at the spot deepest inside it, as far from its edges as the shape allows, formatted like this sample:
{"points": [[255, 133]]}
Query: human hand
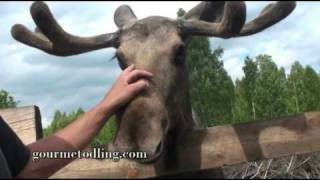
{"points": [[129, 83]]}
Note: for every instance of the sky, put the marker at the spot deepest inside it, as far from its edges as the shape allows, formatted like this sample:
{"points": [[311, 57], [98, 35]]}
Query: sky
{"points": [[66, 83]]}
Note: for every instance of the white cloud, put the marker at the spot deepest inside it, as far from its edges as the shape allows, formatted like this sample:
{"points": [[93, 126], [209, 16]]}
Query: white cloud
{"points": [[234, 67]]}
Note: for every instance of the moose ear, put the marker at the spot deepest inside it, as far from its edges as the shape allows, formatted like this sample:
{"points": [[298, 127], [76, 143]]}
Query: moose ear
{"points": [[124, 15]]}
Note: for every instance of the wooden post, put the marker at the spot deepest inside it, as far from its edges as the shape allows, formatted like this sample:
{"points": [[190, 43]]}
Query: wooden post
{"points": [[215, 147], [25, 122]]}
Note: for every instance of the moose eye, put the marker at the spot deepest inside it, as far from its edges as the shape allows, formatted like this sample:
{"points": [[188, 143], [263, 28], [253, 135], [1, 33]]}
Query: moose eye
{"points": [[121, 60], [180, 54]]}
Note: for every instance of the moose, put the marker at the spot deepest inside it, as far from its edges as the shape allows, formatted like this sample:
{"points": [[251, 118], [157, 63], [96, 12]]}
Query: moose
{"points": [[157, 119]]}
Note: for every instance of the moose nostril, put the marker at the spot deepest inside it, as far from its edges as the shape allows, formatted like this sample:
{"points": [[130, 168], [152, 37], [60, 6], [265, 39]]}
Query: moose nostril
{"points": [[158, 147]]}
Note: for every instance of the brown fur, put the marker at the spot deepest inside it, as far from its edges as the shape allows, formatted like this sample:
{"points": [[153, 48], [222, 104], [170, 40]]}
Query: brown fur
{"points": [[151, 44]]}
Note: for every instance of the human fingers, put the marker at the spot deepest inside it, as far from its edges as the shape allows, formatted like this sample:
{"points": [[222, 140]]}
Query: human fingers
{"points": [[129, 68], [137, 74]]}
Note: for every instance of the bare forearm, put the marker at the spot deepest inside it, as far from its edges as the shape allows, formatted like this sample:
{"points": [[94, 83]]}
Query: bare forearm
{"points": [[75, 136], [81, 132], [78, 134]]}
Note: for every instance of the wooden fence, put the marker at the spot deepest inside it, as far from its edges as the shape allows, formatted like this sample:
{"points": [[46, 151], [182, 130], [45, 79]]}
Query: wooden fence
{"points": [[201, 150], [25, 122]]}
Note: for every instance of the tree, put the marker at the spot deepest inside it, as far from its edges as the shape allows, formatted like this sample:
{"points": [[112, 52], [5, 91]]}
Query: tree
{"points": [[250, 70], [270, 89], [62, 119], [106, 133], [211, 88], [296, 89], [312, 86], [180, 12], [241, 106], [6, 100], [283, 91]]}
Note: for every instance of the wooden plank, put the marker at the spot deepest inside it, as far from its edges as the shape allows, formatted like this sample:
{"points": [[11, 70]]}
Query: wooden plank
{"points": [[215, 147], [25, 122]]}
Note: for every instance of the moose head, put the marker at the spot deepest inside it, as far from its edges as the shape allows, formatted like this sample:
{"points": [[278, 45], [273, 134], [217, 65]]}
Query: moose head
{"points": [[161, 114]]}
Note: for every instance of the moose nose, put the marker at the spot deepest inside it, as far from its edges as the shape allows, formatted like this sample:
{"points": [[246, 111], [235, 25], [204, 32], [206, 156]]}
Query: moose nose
{"points": [[141, 127]]}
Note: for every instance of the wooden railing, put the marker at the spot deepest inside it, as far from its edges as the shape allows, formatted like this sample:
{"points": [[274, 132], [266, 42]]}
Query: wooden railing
{"points": [[202, 149], [25, 122]]}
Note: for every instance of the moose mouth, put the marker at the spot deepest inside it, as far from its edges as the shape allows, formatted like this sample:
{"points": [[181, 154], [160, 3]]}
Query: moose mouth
{"points": [[155, 155], [150, 144], [142, 127]]}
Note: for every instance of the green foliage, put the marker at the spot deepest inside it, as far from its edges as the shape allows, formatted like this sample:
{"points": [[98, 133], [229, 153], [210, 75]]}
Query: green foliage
{"points": [[211, 88], [296, 89], [272, 92], [269, 89], [262, 92], [250, 70], [303, 89], [61, 120], [106, 133], [243, 111], [312, 87], [180, 12], [6, 100]]}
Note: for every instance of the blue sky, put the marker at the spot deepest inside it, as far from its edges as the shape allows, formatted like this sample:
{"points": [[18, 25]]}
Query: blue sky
{"points": [[66, 83]]}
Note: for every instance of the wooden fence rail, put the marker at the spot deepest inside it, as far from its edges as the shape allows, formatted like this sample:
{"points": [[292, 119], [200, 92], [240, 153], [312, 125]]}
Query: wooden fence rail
{"points": [[25, 122], [215, 147]]}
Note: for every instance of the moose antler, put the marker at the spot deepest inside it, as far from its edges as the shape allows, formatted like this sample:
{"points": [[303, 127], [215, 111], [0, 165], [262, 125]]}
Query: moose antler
{"points": [[50, 37], [270, 15], [218, 18], [227, 19]]}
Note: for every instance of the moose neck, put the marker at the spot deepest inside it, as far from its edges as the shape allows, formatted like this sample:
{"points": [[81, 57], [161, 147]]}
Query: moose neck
{"points": [[179, 104]]}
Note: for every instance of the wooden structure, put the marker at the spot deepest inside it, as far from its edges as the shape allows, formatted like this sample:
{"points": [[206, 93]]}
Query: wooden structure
{"points": [[202, 149], [25, 122]]}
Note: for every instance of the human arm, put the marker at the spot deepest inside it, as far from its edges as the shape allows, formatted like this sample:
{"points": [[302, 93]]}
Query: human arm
{"points": [[78, 134]]}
